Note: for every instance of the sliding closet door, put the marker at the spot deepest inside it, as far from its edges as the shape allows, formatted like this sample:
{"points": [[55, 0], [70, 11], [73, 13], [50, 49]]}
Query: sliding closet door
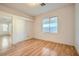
{"points": [[21, 29], [5, 32]]}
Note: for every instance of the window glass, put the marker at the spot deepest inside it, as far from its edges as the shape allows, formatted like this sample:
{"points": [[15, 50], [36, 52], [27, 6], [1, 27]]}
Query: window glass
{"points": [[46, 25], [53, 24], [49, 24]]}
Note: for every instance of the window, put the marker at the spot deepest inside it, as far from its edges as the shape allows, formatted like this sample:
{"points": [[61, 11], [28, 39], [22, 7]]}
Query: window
{"points": [[50, 24]]}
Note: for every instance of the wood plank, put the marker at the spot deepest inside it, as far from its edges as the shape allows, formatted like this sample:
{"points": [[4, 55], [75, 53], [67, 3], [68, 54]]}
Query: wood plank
{"points": [[36, 47]]}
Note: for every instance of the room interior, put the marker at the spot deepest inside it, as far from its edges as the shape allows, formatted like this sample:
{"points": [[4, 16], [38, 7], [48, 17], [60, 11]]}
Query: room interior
{"points": [[39, 29]]}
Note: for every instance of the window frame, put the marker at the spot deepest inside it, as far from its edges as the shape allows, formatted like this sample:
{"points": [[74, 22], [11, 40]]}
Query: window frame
{"points": [[49, 24]]}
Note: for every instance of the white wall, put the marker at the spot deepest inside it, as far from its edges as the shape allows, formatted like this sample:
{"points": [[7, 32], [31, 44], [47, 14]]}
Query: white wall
{"points": [[65, 33], [77, 27]]}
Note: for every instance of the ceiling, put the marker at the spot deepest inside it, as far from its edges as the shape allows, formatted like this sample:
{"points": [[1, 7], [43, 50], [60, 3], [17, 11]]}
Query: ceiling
{"points": [[34, 10]]}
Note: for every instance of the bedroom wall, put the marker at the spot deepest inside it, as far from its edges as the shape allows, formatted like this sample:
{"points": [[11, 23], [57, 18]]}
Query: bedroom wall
{"points": [[77, 27], [65, 33]]}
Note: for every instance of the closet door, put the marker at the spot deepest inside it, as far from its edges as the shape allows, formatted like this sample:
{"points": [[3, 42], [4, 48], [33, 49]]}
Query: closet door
{"points": [[5, 32], [21, 30]]}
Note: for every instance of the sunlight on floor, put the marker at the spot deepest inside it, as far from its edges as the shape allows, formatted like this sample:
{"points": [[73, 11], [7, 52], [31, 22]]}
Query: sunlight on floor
{"points": [[48, 51]]}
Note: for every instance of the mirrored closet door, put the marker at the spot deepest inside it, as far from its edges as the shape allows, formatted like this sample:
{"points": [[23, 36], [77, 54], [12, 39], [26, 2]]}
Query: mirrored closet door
{"points": [[5, 32]]}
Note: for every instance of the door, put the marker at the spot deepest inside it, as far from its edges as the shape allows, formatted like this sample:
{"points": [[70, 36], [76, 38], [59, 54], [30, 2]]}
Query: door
{"points": [[5, 32]]}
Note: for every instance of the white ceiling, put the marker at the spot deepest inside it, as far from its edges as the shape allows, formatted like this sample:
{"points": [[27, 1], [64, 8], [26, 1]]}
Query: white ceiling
{"points": [[34, 10]]}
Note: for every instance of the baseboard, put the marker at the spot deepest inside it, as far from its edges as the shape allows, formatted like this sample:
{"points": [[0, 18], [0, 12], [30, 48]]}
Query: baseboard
{"points": [[21, 41], [53, 41]]}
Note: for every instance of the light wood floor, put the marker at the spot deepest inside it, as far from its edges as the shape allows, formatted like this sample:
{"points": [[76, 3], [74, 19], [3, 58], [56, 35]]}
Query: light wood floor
{"points": [[34, 47]]}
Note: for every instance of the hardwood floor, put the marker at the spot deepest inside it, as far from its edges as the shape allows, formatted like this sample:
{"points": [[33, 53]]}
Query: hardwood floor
{"points": [[35, 47]]}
